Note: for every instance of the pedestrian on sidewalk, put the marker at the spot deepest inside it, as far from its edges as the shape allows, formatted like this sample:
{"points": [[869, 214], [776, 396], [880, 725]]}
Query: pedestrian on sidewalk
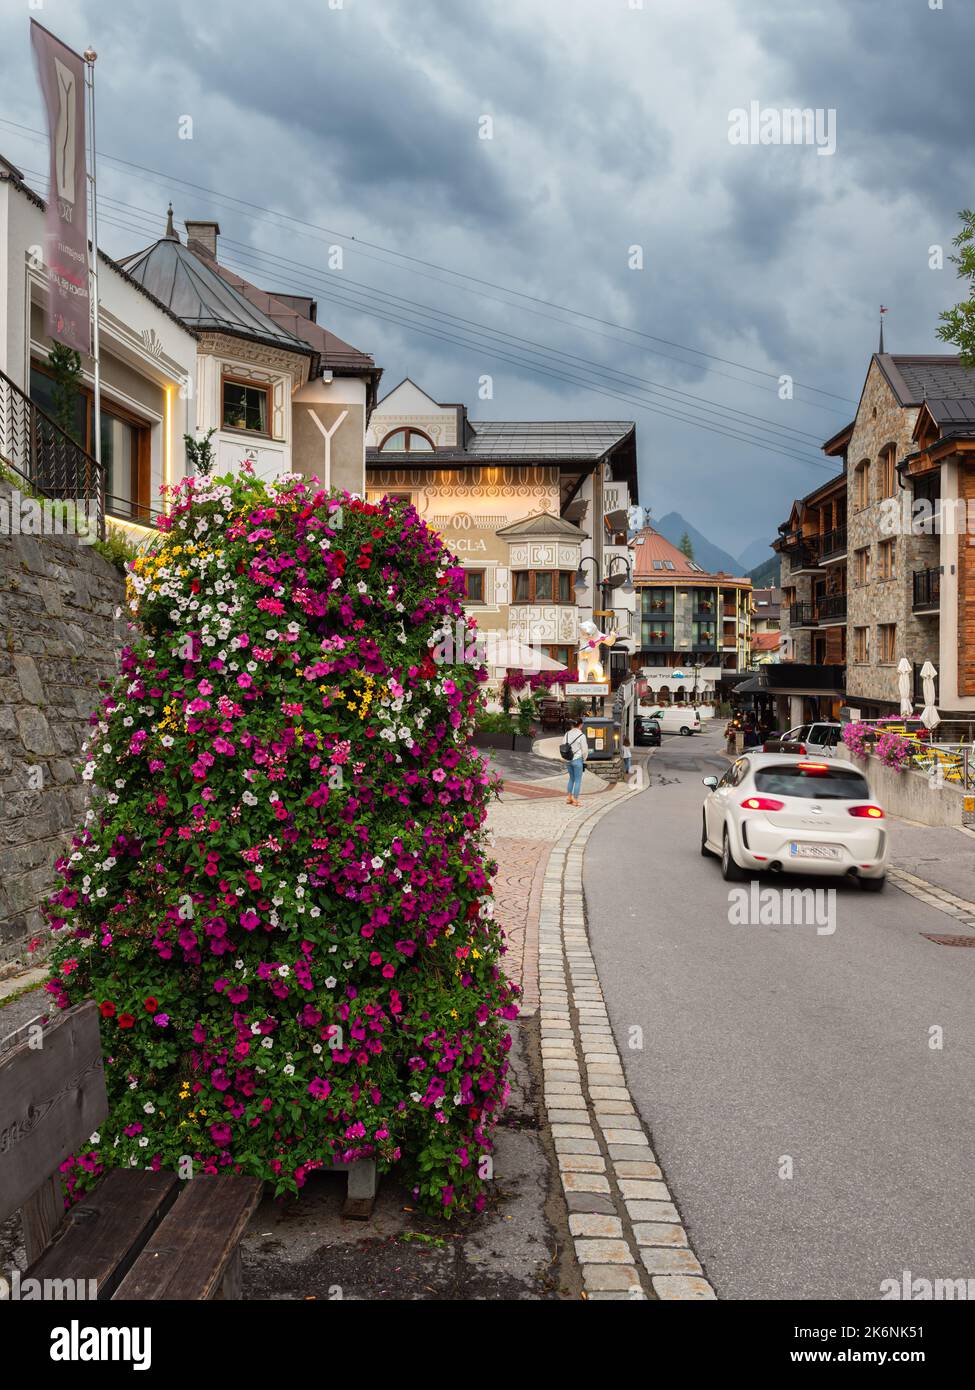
{"points": [[579, 745], [627, 753]]}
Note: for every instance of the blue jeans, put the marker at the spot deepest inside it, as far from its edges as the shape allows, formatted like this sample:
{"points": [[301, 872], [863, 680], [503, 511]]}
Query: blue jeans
{"points": [[575, 776]]}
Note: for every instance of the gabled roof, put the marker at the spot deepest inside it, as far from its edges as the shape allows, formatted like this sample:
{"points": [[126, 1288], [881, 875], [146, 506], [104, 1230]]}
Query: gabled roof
{"points": [[542, 524], [914, 379]]}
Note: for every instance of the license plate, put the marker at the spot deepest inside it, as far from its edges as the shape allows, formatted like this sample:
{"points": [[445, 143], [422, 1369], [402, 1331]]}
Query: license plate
{"points": [[798, 850]]}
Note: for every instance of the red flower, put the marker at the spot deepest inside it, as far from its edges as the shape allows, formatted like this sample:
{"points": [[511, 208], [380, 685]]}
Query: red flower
{"points": [[125, 1021], [151, 1005], [107, 1009]]}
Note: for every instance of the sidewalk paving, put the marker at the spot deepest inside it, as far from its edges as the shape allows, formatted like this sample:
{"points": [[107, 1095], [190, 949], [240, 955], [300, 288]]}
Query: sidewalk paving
{"points": [[943, 856]]}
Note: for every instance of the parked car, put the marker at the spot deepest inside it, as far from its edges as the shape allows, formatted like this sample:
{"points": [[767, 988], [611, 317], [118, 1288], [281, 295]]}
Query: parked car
{"points": [[790, 814], [821, 739], [646, 731], [676, 720]]}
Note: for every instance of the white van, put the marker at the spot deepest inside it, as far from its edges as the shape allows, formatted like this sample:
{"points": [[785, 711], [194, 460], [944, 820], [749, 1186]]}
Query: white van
{"points": [[673, 719]]}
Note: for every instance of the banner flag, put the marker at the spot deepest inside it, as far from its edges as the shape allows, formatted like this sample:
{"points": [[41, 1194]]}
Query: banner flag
{"points": [[62, 77]]}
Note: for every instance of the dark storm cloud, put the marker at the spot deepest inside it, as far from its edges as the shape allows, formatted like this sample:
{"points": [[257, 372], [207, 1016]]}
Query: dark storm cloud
{"points": [[611, 130]]}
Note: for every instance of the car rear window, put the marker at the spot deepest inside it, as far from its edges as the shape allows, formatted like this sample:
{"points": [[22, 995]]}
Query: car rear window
{"points": [[830, 783]]}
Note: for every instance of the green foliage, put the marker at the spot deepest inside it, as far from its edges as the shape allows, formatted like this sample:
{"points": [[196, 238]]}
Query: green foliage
{"points": [[958, 324], [65, 365], [117, 549], [199, 452], [686, 546]]}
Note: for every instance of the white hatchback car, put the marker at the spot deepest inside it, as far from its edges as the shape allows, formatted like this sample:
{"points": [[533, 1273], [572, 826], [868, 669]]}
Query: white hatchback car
{"points": [[791, 814]]}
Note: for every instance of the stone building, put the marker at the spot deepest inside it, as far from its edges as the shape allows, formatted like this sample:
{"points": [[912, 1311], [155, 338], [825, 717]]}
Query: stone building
{"points": [[887, 544]]}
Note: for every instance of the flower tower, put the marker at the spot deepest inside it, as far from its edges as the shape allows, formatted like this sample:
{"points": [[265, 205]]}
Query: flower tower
{"points": [[281, 898]]}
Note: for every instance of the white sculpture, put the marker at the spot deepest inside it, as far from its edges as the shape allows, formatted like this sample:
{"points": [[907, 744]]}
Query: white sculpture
{"points": [[590, 667]]}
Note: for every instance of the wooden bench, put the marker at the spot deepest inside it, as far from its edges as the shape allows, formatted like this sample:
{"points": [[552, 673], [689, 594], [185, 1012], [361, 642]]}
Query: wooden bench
{"points": [[138, 1234]]}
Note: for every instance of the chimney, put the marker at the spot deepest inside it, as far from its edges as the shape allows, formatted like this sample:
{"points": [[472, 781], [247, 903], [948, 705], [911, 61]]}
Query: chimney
{"points": [[202, 236]]}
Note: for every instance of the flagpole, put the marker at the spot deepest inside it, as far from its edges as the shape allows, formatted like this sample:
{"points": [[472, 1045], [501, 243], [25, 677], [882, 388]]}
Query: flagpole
{"points": [[90, 57]]}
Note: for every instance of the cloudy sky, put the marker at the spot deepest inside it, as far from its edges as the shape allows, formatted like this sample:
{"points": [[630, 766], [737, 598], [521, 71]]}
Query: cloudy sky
{"points": [[512, 257]]}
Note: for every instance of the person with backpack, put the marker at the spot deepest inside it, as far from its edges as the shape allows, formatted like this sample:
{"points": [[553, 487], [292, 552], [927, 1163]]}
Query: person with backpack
{"points": [[575, 751]]}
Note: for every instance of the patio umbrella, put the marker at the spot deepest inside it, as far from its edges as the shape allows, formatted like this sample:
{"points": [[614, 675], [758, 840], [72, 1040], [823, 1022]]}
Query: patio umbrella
{"points": [[929, 715], [504, 653], [904, 674]]}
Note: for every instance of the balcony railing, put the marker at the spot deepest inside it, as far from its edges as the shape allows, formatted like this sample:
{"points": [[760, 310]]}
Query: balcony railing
{"points": [[38, 453], [831, 608], [802, 554], [927, 590], [802, 614], [833, 543]]}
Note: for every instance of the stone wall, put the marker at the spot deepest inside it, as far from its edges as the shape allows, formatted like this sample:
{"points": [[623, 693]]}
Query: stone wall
{"points": [[911, 795], [59, 637]]}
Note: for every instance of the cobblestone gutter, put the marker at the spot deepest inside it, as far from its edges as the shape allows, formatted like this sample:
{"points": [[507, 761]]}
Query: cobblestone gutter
{"points": [[628, 1237]]}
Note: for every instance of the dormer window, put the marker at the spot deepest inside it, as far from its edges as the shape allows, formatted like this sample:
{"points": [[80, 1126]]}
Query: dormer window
{"points": [[407, 441]]}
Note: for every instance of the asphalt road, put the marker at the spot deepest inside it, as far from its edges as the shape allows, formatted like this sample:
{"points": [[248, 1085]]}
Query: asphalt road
{"points": [[762, 1044]]}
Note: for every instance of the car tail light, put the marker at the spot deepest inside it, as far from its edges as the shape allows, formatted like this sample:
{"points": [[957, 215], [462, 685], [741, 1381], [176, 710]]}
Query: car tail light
{"points": [[814, 767], [869, 812], [803, 750], [762, 803]]}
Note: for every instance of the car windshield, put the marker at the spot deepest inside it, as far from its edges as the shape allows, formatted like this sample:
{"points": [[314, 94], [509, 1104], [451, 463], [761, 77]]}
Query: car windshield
{"points": [[812, 781]]}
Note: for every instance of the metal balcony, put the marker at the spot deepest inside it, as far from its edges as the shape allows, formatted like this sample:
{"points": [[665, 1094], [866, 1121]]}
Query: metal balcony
{"points": [[50, 464], [832, 545], [831, 609], [803, 614], [927, 591]]}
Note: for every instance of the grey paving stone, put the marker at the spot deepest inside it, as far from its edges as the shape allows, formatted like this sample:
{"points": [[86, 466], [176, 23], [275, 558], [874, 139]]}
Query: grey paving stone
{"points": [[595, 1226], [643, 1190], [611, 1252], [625, 1168], [576, 1146], [673, 1261], [589, 1201], [631, 1151], [651, 1211], [582, 1163], [585, 1182], [681, 1286], [659, 1233]]}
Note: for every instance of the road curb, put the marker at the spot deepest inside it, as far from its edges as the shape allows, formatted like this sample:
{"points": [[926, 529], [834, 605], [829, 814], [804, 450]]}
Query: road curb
{"points": [[628, 1238]]}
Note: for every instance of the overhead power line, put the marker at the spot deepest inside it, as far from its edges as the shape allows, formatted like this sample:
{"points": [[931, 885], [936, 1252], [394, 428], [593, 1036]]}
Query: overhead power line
{"points": [[261, 213]]}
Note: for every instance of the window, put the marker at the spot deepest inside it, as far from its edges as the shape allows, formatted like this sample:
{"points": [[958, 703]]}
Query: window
{"points": [[126, 448], [861, 565], [888, 471], [886, 557], [821, 784], [407, 441], [245, 407], [544, 586], [861, 645], [564, 655], [474, 585], [887, 642], [861, 484]]}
